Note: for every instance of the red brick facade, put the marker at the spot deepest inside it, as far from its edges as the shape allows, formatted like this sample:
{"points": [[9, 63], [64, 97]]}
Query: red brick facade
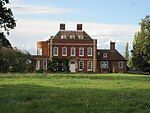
{"points": [[78, 47]]}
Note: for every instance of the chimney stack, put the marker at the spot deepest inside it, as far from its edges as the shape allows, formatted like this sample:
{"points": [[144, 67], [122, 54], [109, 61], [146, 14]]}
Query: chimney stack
{"points": [[62, 26], [112, 46], [79, 27]]}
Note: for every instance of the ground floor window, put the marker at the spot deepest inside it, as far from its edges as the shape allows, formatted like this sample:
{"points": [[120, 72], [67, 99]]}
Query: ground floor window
{"points": [[45, 65], [120, 64], [104, 64], [37, 65], [89, 65], [81, 65]]}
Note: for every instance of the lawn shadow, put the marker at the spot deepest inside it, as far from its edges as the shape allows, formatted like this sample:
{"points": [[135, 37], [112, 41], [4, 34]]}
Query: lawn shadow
{"points": [[24, 98]]}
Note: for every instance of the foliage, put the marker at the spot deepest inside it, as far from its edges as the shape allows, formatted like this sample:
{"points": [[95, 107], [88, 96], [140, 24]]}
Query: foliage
{"points": [[74, 93], [6, 16], [58, 65], [14, 60], [4, 42], [141, 46], [127, 51]]}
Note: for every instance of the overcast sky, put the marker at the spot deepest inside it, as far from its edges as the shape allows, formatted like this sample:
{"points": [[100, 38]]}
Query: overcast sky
{"points": [[104, 20]]}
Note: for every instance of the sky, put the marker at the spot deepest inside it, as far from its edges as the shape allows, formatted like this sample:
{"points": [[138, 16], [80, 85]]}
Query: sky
{"points": [[104, 20]]}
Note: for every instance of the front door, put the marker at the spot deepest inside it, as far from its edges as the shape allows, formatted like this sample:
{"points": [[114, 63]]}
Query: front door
{"points": [[72, 67]]}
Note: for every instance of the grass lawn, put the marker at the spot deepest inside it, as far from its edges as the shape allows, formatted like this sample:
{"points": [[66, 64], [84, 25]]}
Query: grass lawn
{"points": [[74, 93]]}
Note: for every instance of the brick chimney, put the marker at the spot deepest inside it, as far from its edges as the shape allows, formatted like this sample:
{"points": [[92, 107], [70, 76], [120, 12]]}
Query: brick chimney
{"points": [[62, 26], [79, 27], [112, 46]]}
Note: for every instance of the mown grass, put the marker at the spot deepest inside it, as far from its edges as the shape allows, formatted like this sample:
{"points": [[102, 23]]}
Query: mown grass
{"points": [[74, 93]]}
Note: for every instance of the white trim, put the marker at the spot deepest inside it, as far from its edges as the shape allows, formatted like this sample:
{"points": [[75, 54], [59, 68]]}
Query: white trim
{"points": [[65, 51], [37, 65], [120, 64], [56, 51], [89, 49], [44, 65], [82, 51], [104, 55], [82, 65], [73, 48], [91, 65]]}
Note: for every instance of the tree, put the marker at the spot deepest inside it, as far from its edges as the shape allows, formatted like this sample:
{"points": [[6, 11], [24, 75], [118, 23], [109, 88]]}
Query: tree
{"points": [[127, 51], [4, 42], [15, 60], [7, 22], [6, 16], [141, 46]]}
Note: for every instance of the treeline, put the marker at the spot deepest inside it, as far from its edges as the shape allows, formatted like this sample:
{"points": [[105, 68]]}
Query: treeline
{"points": [[15, 60]]}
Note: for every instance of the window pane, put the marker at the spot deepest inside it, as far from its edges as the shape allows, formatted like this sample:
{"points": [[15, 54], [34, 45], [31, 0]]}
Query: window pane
{"points": [[81, 51], [64, 51], [55, 51], [89, 51], [81, 65], [89, 65], [72, 51]]}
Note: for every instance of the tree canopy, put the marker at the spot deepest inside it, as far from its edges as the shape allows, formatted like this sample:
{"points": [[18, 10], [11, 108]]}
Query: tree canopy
{"points": [[7, 20], [141, 46]]}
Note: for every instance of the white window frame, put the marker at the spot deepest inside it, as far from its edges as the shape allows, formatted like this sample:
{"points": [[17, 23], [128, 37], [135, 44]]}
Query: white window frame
{"points": [[73, 48], [91, 66], [104, 55], [120, 64], [63, 51], [104, 64], [45, 65], [56, 51], [39, 51], [81, 69], [89, 50], [82, 51], [37, 65]]}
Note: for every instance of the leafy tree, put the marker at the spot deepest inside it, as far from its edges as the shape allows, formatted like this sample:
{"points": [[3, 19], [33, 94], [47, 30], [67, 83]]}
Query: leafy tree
{"points": [[7, 22], [14, 60], [4, 42], [141, 46], [6, 16], [127, 51]]}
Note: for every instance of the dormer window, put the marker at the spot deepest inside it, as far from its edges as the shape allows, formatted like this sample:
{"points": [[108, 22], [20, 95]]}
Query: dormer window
{"points": [[72, 37], [80, 37], [104, 55], [63, 36]]}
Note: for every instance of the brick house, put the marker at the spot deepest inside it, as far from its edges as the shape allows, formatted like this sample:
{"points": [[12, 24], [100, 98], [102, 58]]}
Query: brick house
{"points": [[81, 52]]}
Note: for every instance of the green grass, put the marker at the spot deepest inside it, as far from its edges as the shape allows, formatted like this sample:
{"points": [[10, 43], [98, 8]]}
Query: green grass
{"points": [[74, 93]]}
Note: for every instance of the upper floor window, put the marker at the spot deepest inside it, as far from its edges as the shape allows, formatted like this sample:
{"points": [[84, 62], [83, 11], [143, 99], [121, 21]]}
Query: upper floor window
{"points": [[104, 64], [73, 51], [81, 51], [89, 51], [120, 64], [44, 65], [39, 51], [81, 65], [55, 51], [89, 65], [104, 55], [64, 51]]}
